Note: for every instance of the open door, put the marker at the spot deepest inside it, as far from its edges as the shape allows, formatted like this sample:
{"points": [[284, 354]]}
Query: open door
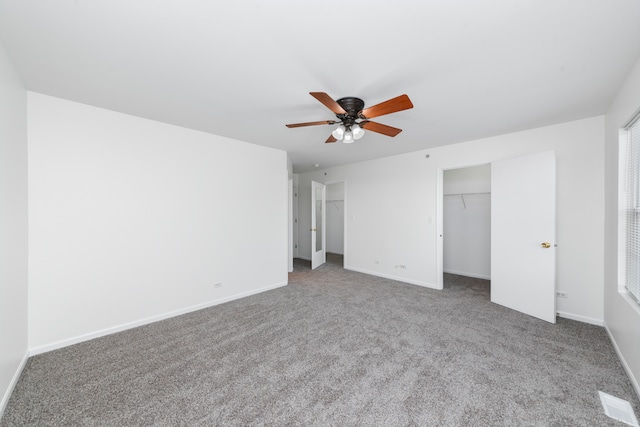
{"points": [[318, 222], [523, 250]]}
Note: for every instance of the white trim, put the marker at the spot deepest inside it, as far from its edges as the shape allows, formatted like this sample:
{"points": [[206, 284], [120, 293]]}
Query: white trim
{"points": [[467, 274], [290, 225], [304, 258], [345, 224], [12, 384], [108, 331], [440, 215], [621, 216], [389, 276], [579, 318], [634, 118], [440, 228], [628, 298], [632, 379]]}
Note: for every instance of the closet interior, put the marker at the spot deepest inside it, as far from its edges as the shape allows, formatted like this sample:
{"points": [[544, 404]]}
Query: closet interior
{"points": [[467, 221], [335, 218]]}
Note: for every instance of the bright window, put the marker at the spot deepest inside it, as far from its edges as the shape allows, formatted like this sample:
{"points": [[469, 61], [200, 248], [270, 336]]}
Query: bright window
{"points": [[630, 206]]}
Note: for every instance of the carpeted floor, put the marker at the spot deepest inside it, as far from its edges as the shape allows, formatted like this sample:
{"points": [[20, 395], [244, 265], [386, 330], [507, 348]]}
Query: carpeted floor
{"points": [[333, 348]]}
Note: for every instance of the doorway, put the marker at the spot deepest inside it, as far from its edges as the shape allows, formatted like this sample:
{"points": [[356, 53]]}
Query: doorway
{"points": [[328, 225], [335, 213], [467, 222]]}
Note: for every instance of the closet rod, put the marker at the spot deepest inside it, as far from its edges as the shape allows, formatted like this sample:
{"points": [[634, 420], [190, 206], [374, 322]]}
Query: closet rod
{"points": [[467, 194], [461, 195]]}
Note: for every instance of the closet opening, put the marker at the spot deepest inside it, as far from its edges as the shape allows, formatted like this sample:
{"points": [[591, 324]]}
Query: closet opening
{"points": [[335, 213], [466, 232]]}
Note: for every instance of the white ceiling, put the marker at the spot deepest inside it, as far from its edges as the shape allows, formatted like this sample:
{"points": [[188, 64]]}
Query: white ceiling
{"points": [[243, 69]]}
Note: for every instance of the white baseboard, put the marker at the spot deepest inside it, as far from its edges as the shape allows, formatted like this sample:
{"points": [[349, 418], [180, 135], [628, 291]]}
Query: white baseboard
{"points": [[625, 365], [12, 384], [467, 274], [583, 319], [389, 276], [309, 259], [108, 331]]}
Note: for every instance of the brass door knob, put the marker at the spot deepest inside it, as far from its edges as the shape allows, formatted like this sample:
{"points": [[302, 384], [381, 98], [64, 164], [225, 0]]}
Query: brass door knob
{"points": [[313, 229], [545, 245]]}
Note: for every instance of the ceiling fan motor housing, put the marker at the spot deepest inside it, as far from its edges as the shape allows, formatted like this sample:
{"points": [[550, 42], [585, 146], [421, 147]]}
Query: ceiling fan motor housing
{"points": [[352, 106]]}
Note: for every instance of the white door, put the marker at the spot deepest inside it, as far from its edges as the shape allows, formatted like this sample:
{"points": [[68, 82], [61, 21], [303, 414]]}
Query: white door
{"points": [[523, 234], [318, 222]]}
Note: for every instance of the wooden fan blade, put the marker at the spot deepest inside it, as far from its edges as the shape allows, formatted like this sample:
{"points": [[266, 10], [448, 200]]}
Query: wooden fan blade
{"points": [[330, 139], [328, 102], [393, 105], [380, 128], [324, 122]]}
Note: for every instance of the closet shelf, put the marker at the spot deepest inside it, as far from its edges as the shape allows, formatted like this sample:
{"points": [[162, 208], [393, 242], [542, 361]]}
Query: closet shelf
{"points": [[468, 194]]}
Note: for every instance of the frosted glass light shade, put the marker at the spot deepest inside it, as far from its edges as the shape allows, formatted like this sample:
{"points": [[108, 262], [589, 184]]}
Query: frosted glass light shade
{"points": [[348, 137], [357, 131], [338, 133]]}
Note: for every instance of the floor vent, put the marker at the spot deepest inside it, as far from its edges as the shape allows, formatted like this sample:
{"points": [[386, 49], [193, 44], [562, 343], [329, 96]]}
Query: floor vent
{"points": [[618, 409]]}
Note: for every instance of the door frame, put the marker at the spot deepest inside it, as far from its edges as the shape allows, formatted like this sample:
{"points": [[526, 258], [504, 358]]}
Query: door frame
{"points": [[291, 216], [302, 251], [440, 217], [344, 214]]}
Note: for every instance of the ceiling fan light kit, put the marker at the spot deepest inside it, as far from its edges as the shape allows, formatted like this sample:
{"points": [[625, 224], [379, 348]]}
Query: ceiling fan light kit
{"points": [[348, 134], [353, 118]]}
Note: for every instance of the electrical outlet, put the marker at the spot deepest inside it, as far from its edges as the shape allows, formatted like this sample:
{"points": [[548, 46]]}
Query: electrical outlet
{"points": [[562, 294], [377, 262], [217, 285]]}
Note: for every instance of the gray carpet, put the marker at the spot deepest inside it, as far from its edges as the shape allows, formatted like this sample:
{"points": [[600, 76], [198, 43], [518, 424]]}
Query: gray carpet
{"points": [[332, 348]]}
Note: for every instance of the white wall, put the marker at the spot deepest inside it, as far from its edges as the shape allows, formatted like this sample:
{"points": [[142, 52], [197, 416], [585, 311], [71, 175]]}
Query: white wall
{"points": [[622, 317], [133, 220], [404, 219], [13, 227], [467, 221]]}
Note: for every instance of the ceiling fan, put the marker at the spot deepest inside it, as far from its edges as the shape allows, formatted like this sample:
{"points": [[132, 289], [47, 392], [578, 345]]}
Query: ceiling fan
{"points": [[353, 117]]}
